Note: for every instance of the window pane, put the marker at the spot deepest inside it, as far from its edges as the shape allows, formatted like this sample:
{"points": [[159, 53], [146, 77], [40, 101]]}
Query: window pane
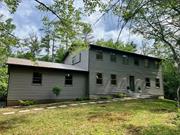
{"points": [[99, 78], [148, 83], [136, 62], [37, 78], [68, 82], [125, 60], [146, 63], [113, 76], [114, 82], [99, 55], [113, 57], [157, 82], [68, 79], [156, 64]]}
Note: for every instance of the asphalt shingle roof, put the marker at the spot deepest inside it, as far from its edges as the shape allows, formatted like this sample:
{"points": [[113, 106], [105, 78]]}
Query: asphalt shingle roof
{"points": [[43, 64]]}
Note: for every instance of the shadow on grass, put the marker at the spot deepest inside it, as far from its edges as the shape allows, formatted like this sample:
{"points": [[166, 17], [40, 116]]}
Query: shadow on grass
{"points": [[12, 123], [152, 130]]}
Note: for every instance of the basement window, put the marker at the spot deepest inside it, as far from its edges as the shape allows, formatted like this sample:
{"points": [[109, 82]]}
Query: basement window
{"points": [[37, 78], [99, 78], [68, 79]]}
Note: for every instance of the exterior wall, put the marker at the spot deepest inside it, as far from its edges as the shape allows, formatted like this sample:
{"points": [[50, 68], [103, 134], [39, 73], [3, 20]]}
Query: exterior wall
{"points": [[21, 87], [106, 67], [81, 59]]}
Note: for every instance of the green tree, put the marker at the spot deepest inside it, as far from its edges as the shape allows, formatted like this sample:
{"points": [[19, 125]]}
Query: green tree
{"points": [[7, 41], [31, 48], [130, 47]]}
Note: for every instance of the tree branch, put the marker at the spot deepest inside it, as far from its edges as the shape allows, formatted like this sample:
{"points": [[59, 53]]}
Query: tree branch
{"points": [[48, 8]]}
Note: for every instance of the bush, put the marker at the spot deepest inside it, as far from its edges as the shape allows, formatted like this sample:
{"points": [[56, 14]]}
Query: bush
{"points": [[26, 102], [56, 90], [119, 95], [79, 99]]}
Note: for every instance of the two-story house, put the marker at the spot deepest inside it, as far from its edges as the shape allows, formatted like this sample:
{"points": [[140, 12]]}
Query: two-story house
{"points": [[93, 72]]}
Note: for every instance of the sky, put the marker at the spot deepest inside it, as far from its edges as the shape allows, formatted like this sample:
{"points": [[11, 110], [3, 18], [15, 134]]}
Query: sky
{"points": [[27, 19]]}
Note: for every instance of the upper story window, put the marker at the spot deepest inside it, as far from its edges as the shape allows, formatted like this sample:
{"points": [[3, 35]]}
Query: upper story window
{"points": [[99, 78], [156, 64], [125, 59], [99, 55], [136, 61], [157, 83], [113, 57], [148, 82], [37, 78], [146, 63], [68, 79], [113, 79]]}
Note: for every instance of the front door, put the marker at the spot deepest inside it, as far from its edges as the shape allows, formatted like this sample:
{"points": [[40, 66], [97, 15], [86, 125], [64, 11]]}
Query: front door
{"points": [[131, 83]]}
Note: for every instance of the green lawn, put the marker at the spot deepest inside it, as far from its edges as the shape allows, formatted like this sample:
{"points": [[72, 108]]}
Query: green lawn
{"points": [[135, 117]]}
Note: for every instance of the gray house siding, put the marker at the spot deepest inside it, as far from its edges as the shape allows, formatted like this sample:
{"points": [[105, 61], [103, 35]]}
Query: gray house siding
{"points": [[21, 87], [80, 59], [122, 71]]}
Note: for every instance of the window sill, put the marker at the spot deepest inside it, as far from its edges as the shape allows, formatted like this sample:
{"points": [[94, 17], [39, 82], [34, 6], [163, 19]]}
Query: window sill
{"points": [[68, 85], [99, 84], [36, 84]]}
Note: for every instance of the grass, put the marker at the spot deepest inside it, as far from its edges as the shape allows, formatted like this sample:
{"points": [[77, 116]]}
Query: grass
{"points": [[135, 117]]}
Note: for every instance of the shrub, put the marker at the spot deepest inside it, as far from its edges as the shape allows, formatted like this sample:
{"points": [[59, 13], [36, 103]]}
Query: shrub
{"points": [[26, 102], [79, 99], [56, 90], [86, 98]]}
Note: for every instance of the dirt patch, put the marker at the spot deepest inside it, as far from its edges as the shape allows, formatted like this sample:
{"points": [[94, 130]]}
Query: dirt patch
{"points": [[133, 130], [111, 116]]}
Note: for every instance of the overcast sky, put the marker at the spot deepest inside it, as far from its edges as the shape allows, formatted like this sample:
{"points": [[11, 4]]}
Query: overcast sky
{"points": [[28, 19]]}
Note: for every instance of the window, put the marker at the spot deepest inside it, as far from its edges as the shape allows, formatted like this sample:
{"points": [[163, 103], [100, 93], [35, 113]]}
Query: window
{"points": [[125, 59], [76, 59], [148, 83], [99, 55], [156, 63], [157, 83], [136, 62], [113, 57], [37, 78], [73, 60], [68, 79], [99, 78], [146, 63], [113, 79]]}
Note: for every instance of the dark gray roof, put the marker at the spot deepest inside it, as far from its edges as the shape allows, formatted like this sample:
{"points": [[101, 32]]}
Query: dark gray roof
{"points": [[43, 64], [97, 47]]}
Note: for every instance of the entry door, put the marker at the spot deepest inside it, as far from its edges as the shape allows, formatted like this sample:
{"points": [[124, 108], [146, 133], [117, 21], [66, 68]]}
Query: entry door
{"points": [[131, 83]]}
